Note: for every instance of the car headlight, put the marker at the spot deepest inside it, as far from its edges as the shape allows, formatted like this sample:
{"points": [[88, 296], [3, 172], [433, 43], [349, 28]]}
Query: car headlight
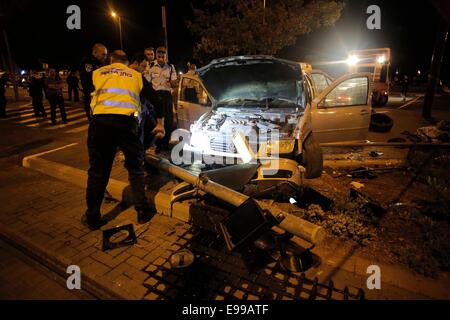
{"points": [[280, 146], [200, 141]]}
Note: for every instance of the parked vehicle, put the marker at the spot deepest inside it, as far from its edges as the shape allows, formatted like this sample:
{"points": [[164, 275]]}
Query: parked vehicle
{"points": [[378, 63]]}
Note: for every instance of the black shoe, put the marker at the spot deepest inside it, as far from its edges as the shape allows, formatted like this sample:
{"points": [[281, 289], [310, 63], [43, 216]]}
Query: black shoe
{"points": [[145, 214], [92, 224]]}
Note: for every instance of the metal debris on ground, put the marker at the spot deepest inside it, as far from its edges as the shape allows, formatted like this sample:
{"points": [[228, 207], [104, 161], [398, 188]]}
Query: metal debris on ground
{"points": [[375, 154]]}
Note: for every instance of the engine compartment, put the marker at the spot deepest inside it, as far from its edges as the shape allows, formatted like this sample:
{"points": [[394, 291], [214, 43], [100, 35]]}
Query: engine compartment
{"points": [[254, 121]]}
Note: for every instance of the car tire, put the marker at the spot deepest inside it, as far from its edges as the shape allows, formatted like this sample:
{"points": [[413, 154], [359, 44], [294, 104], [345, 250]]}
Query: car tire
{"points": [[380, 122], [312, 158], [375, 99]]}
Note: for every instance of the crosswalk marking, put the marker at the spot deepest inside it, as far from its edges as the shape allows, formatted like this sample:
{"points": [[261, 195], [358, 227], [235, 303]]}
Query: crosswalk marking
{"points": [[31, 118], [76, 116]]}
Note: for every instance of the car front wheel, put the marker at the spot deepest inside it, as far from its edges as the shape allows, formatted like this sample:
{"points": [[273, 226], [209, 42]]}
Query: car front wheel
{"points": [[312, 158]]}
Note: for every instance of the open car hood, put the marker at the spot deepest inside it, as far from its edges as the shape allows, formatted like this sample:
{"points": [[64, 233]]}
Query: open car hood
{"points": [[252, 78]]}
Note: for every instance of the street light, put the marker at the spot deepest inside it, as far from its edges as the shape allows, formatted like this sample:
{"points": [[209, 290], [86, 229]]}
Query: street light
{"points": [[352, 60], [381, 59], [115, 15]]}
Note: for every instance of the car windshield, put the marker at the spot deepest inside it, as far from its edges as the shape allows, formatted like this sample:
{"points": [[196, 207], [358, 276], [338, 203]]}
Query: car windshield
{"points": [[266, 82], [267, 102]]}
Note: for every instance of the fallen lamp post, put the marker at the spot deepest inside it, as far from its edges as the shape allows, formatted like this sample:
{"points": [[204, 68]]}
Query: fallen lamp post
{"points": [[251, 216]]}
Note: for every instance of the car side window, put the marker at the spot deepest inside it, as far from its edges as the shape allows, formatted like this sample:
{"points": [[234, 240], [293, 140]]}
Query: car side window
{"points": [[308, 90], [321, 81], [351, 92], [193, 92]]}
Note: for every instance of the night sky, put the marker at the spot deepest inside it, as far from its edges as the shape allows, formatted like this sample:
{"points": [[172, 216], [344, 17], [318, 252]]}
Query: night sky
{"points": [[37, 32]]}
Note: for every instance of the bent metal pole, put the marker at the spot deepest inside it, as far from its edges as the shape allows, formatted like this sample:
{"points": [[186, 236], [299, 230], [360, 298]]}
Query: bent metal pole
{"points": [[286, 221]]}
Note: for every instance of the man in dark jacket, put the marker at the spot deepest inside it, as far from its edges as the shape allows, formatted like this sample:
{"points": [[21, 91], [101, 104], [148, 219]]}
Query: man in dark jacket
{"points": [[54, 86], [72, 82], [90, 63], [36, 91]]}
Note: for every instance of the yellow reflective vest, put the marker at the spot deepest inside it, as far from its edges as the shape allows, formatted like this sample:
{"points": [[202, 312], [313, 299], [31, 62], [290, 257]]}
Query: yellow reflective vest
{"points": [[117, 90]]}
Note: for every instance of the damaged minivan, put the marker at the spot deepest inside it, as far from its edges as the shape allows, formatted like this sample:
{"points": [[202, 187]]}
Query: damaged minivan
{"points": [[275, 108]]}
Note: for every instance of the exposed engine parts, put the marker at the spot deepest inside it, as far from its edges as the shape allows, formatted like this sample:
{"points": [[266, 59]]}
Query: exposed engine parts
{"points": [[230, 122]]}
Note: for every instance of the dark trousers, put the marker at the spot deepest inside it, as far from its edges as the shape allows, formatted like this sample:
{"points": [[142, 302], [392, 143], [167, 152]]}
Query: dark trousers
{"points": [[76, 95], [106, 133], [38, 107], [2, 105], [87, 103], [57, 100], [164, 101]]}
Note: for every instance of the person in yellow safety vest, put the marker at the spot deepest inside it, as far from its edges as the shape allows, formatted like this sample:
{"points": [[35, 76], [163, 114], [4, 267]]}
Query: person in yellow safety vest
{"points": [[115, 104]]}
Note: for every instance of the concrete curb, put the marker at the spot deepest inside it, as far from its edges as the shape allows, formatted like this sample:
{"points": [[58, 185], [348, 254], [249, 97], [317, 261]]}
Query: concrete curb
{"points": [[56, 263], [117, 189]]}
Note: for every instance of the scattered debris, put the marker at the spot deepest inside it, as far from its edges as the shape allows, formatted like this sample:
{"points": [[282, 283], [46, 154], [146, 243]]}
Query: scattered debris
{"points": [[355, 156], [182, 259], [357, 185], [128, 237], [375, 154], [432, 134]]}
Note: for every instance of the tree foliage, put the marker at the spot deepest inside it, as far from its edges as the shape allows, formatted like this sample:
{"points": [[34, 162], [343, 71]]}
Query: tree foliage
{"points": [[235, 27]]}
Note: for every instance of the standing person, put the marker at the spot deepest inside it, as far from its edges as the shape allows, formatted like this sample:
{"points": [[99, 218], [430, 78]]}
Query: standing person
{"points": [[114, 107], [147, 118], [404, 87], [3, 80], [90, 63], [72, 82], [36, 91], [150, 54], [54, 86], [163, 77]]}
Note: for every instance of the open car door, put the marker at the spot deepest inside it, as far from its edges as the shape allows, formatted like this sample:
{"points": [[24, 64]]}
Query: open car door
{"points": [[193, 102], [341, 112]]}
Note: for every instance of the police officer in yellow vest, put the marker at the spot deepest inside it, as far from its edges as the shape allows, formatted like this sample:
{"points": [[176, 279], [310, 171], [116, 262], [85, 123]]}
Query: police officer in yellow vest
{"points": [[115, 105]]}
